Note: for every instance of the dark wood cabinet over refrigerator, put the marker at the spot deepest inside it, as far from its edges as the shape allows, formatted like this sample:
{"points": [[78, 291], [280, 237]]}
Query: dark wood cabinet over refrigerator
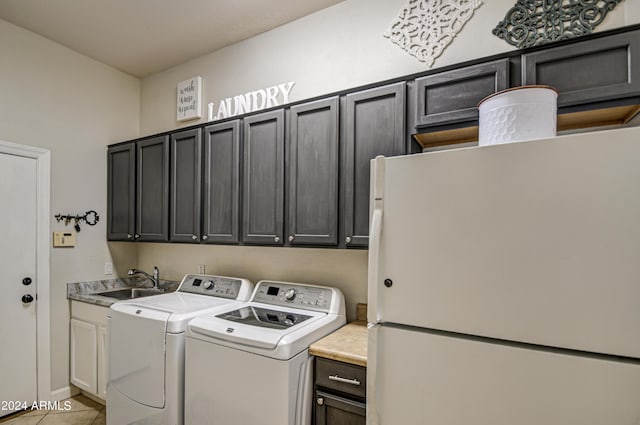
{"points": [[263, 179], [588, 71], [312, 164], [186, 178], [374, 125], [221, 201], [453, 96]]}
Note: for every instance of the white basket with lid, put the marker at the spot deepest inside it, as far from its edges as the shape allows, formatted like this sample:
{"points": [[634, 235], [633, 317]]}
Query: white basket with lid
{"points": [[517, 114]]}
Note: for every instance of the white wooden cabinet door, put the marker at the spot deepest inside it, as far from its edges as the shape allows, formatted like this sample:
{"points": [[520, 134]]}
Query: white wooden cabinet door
{"points": [[103, 373], [84, 356]]}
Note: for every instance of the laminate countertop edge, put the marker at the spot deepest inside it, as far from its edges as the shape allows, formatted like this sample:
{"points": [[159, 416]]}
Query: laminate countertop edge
{"points": [[348, 344]]}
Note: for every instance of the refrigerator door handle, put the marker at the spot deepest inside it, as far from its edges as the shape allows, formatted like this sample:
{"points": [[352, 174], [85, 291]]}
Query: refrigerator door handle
{"points": [[375, 232]]}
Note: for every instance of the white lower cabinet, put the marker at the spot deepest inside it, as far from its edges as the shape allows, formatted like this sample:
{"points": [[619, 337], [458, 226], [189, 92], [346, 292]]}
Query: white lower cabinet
{"points": [[88, 351]]}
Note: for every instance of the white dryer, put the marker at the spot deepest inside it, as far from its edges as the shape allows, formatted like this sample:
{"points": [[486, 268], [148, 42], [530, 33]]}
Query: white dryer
{"points": [[250, 364], [146, 348]]}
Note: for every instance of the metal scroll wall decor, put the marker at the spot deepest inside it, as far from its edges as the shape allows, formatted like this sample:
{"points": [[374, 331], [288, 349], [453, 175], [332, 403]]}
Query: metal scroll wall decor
{"points": [[535, 22], [424, 28]]}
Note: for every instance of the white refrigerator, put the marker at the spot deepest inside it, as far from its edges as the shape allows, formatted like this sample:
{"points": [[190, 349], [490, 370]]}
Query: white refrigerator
{"points": [[504, 284]]}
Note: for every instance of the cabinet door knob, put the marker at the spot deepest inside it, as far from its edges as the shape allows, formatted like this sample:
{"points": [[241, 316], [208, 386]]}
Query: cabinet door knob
{"points": [[291, 237], [136, 236], [348, 239], [276, 239], [320, 401], [27, 281], [27, 298], [194, 237], [129, 235], [205, 237]]}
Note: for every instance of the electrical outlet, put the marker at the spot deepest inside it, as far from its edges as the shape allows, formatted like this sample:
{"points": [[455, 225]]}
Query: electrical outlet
{"points": [[108, 267], [200, 268]]}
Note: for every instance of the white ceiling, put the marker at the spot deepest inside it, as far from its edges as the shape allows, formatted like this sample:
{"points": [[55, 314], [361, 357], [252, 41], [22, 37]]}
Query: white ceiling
{"points": [[142, 37]]}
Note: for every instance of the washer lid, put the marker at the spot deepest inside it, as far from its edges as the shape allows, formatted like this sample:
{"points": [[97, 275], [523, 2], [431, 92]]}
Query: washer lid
{"points": [[264, 317], [255, 325]]}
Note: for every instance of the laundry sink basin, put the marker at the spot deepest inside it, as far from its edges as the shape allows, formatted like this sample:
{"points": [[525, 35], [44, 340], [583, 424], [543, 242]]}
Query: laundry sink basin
{"points": [[130, 293]]}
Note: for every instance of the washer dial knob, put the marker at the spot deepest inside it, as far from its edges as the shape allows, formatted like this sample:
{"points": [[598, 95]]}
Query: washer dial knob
{"points": [[290, 294], [208, 284]]}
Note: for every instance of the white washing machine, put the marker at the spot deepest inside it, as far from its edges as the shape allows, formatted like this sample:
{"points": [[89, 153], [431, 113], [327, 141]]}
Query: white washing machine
{"points": [[250, 364], [146, 348]]}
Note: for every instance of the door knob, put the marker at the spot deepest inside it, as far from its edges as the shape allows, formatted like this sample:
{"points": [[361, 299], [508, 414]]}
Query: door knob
{"points": [[27, 298], [26, 281]]}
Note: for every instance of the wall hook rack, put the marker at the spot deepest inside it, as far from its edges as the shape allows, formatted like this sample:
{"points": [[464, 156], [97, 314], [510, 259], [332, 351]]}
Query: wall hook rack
{"points": [[90, 217]]}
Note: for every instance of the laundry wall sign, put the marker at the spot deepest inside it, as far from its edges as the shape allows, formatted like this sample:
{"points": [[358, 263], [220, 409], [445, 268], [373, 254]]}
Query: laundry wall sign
{"points": [[251, 101]]}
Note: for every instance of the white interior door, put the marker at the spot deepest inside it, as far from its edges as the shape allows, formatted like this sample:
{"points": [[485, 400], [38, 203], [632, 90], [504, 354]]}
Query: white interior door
{"points": [[18, 190]]}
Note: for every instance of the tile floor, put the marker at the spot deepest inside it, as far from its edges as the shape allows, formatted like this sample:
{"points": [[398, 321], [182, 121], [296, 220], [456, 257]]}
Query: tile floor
{"points": [[84, 411]]}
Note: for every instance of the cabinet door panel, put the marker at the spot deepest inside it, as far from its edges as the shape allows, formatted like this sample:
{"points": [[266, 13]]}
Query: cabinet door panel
{"points": [[313, 173], [594, 70], [375, 125], [335, 410], [152, 223], [263, 182], [83, 355], [121, 192], [221, 183], [453, 96], [186, 177]]}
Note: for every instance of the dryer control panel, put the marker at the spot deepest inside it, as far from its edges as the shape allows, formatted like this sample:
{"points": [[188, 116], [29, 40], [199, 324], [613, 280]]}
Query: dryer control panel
{"points": [[215, 286], [297, 295]]}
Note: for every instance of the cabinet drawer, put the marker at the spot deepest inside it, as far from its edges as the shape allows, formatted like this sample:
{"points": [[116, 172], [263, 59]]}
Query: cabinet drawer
{"points": [[343, 377]]}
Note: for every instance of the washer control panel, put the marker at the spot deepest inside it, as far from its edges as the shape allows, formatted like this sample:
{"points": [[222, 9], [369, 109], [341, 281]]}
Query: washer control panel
{"points": [[293, 294], [215, 286]]}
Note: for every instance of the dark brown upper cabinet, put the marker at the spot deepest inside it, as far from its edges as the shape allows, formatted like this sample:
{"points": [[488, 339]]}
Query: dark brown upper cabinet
{"points": [[121, 192], [453, 96], [263, 178], [186, 177], [312, 164], [152, 215], [595, 70], [374, 124], [221, 200]]}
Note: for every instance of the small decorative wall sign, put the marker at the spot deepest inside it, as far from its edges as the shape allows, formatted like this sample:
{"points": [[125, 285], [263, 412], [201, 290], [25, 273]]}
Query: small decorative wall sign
{"points": [[424, 28], [189, 99], [536, 22]]}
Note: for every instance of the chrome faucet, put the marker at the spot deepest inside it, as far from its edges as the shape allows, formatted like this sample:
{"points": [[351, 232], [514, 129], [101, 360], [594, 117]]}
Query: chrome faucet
{"points": [[155, 278]]}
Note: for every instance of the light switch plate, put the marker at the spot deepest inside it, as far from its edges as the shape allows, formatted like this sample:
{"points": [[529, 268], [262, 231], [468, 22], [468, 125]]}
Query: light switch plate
{"points": [[64, 239]]}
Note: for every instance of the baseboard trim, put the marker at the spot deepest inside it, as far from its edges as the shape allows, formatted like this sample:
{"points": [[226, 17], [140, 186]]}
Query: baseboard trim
{"points": [[64, 393], [94, 397]]}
